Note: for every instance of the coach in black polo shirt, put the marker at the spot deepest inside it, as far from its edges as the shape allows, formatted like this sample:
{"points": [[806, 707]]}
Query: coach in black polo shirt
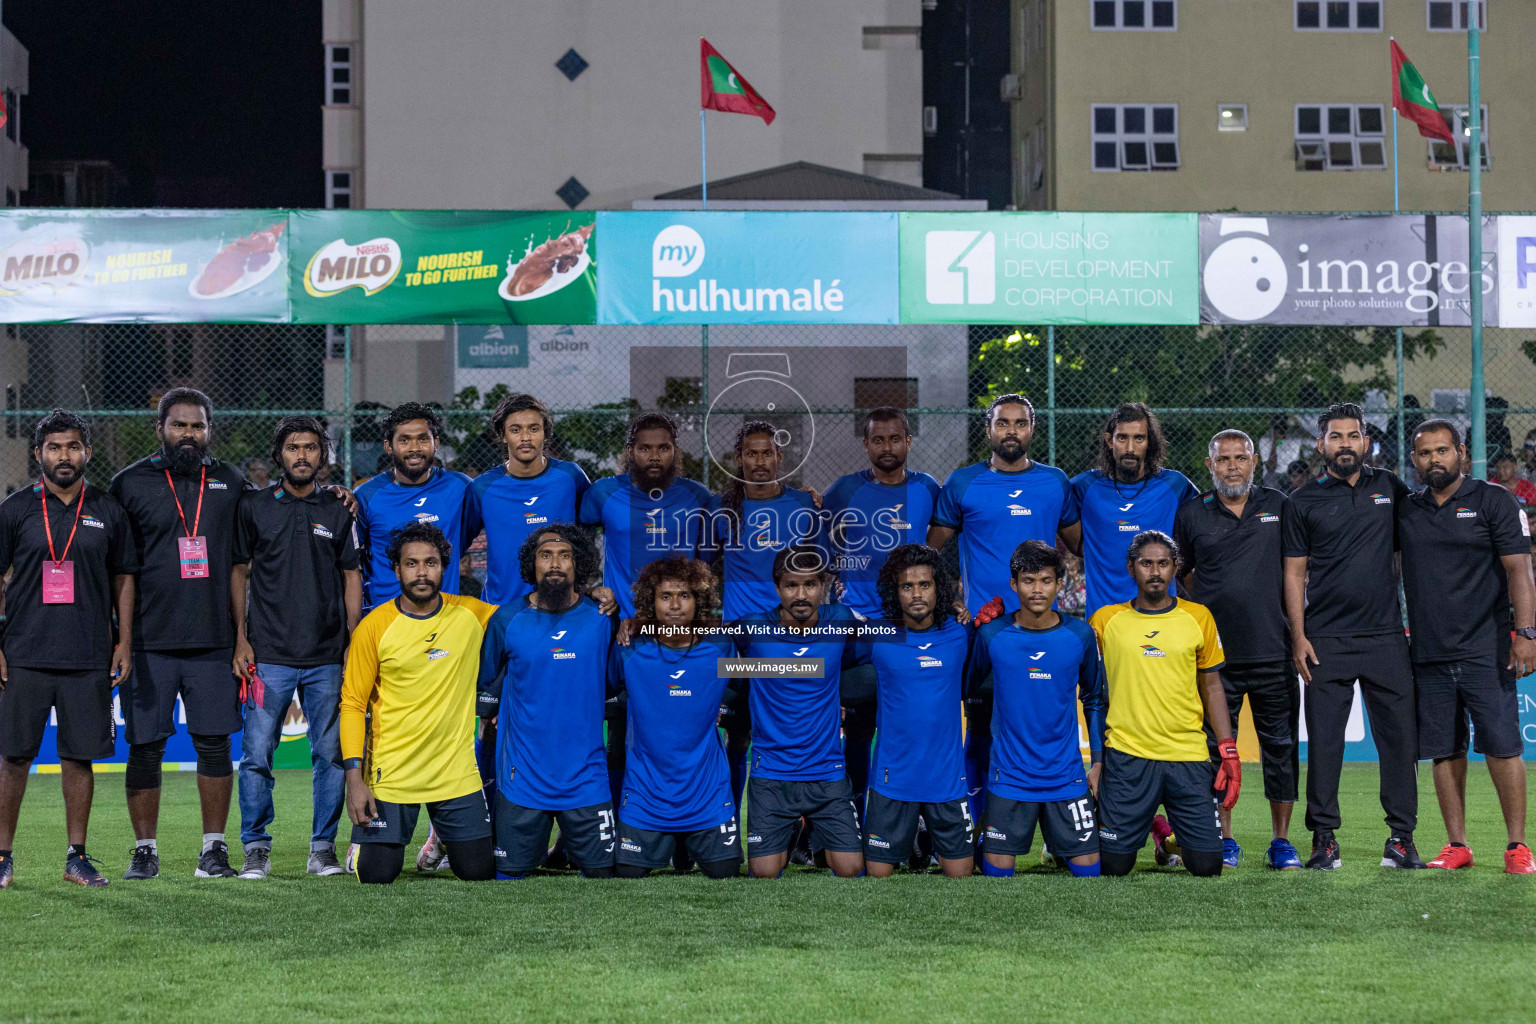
{"points": [[296, 547], [1234, 564], [1347, 624], [1466, 555], [181, 506], [73, 557]]}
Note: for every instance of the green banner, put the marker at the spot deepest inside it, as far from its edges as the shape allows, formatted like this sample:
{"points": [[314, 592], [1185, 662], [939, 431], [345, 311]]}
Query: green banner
{"points": [[1044, 268], [443, 267], [143, 266]]}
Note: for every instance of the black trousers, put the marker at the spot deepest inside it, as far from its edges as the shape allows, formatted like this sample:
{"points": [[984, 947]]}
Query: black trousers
{"points": [[1381, 665], [1273, 691]]}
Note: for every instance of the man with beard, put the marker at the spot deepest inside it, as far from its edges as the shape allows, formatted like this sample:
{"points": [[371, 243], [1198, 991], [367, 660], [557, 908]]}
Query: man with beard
{"points": [[294, 545], [1127, 493], [1234, 563], [543, 681], [73, 555], [1466, 558], [1341, 598], [181, 504], [1162, 657], [414, 489], [407, 717]]}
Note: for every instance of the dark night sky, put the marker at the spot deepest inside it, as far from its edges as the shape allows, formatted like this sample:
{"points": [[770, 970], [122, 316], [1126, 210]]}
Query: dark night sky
{"points": [[197, 103]]}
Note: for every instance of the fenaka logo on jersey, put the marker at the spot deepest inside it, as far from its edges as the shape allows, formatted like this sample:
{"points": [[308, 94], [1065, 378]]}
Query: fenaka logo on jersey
{"points": [[530, 518], [1126, 526], [86, 519], [435, 653], [929, 661], [1036, 673], [1019, 510], [425, 517], [1269, 517], [677, 689], [1151, 651], [653, 523], [895, 521], [217, 485], [561, 654], [1462, 512], [1380, 499], [372, 266], [320, 530]]}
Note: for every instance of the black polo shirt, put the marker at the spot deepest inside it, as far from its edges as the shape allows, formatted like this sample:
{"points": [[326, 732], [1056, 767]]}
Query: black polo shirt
{"points": [[297, 548], [1348, 536], [173, 614], [1458, 593], [1239, 567], [63, 636]]}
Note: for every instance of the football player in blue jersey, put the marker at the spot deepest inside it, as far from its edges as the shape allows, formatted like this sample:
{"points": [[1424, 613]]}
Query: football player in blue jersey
{"points": [[677, 785], [919, 757], [1036, 775]]}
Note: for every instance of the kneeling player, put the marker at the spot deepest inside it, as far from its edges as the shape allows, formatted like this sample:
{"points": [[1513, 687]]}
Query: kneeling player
{"points": [[677, 783], [1045, 663], [407, 717], [918, 768], [1162, 657], [543, 683]]}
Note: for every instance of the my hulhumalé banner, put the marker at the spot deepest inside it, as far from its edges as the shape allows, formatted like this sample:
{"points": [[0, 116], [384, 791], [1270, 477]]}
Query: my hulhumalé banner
{"points": [[1050, 268], [143, 266], [443, 267]]}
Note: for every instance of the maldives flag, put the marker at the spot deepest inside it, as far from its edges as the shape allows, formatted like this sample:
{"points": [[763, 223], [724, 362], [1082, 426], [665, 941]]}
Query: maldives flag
{"points": [[724, 89], [1411, 98]]}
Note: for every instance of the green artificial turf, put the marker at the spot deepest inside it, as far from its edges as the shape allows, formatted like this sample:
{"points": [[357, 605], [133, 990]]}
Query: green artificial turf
{"points": [[1362, 943]]}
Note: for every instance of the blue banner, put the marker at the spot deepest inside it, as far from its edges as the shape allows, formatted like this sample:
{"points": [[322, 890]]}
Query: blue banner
{"points": [[664, 267]]}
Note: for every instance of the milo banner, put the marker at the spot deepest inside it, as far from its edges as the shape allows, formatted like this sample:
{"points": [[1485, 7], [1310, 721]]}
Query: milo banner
{"points": [[1395, 270], [1049, 268], [443, 267], [143, 266]]}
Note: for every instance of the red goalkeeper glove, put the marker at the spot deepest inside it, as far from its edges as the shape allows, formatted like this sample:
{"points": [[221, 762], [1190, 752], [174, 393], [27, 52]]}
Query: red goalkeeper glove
{"points": [[1229, 776], [989, 611]]}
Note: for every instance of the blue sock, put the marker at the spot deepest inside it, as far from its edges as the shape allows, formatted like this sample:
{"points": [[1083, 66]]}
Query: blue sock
{"points": [[509, 878], [991, 870], [1083, 870]]}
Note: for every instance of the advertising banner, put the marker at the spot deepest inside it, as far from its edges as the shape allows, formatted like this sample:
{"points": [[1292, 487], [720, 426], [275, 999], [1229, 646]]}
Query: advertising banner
{"points": [[1517, 271], [143, 266], [1049, 268], [1398, 270], [442, 267], [740, 268]]}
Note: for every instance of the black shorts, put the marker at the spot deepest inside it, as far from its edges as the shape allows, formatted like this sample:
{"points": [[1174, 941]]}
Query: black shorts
{"points": [[890, 826], [460, 820], [83, 699], [775, 807], [209, 692], [1273, 692], [1131, 790], [643, 848], [1450, 692], [522, 836], [1066, 826]]}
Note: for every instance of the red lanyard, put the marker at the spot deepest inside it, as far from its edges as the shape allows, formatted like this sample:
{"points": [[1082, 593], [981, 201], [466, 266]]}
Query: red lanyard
{"points": [[202, 484], [48, 528]]}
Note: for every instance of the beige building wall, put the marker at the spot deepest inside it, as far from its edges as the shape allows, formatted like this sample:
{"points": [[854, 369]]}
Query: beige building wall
{"points": [[1248, 51]]}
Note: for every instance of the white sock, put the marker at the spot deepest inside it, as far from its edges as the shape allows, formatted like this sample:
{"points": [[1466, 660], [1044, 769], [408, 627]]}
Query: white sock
{"points": [[209, 838], [147, 842]]}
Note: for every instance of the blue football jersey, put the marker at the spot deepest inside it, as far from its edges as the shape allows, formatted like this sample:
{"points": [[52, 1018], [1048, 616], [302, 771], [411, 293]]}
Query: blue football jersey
{"points": [[868, 520], [768, 527], [919, 683], [676, 778], [550, 671], [512, 508], [1113, 514], [384, 505], [797, 722], [1040, 676], [639, 528], [995, 512]]}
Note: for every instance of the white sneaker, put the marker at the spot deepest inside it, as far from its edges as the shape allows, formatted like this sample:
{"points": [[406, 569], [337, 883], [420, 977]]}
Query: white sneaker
{"points": [[323, 862], [351, 861], [258, 863], [433, 855]]}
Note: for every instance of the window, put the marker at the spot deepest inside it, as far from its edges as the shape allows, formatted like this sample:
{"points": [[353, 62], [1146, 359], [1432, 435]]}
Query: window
{"points": [[1451, 15], [1232, 117], [338, 76], [1135, 15], [12, 114], [1338, 15], [335, 341], [1341, 137], [1444, 157], [1135, 137], [338, 190]]}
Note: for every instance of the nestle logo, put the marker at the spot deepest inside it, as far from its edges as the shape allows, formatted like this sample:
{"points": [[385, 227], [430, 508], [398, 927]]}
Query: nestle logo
{"points": [[370, 250]]}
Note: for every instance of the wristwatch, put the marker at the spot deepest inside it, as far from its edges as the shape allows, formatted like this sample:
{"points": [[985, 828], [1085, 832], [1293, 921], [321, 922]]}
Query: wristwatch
{"points": [[1529, 632]]}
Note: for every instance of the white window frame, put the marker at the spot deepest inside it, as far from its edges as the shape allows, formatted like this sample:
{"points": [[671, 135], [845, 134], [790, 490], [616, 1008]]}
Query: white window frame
{"points": [[1317, 147], [1354, 15], [1120, 26], [1120, 137], [1237, 125], [334, 63], [334, 190], [1459, 11], [1457, 117]]}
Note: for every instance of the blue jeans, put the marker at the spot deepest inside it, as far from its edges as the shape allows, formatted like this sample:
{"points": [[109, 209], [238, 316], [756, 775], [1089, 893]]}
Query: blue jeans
{"points": [[320, 695]]}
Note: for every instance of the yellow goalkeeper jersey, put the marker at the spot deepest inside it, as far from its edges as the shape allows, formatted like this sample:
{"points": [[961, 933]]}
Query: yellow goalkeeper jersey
{"points": [[414, 678]]}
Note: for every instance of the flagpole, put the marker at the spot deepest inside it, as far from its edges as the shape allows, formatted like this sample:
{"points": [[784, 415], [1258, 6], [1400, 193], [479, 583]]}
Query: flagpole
{"points": [[1402, 440], [1475, 245], [703, 164], [704, 329]]}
